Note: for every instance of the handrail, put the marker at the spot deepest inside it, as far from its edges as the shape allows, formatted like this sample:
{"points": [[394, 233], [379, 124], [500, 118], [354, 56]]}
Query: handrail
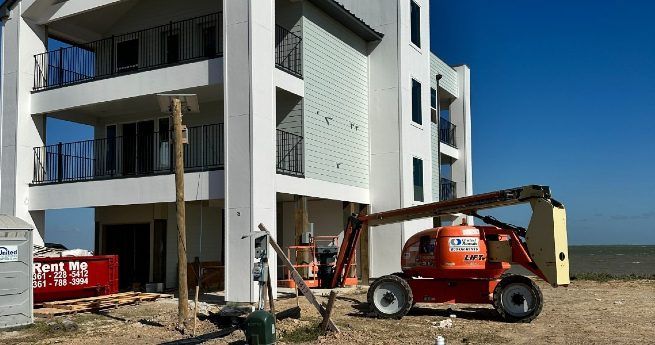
{"points": [[290, 153], [133, 155], [447, 132], [155, 47], [288, 51]]}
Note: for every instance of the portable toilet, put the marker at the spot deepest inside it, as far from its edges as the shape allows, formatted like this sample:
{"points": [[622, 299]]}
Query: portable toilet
{"points": [[15, 272]]}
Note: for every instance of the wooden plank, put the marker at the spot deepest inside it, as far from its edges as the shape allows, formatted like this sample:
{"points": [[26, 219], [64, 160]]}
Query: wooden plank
{"points": [[46, 312], [86, 299], [99, 302], [300, 283]]}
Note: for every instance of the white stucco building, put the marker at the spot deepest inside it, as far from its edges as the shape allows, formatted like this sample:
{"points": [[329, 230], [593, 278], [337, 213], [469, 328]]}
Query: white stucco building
{"points": [[309, 110]]}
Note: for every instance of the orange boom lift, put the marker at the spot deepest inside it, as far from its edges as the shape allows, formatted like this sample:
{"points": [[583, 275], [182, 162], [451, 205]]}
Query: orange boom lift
{"points": [[464, 264]]}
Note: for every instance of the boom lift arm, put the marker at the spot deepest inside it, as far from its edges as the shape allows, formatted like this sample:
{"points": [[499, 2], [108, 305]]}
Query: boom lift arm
{"points": [[545, 237]]}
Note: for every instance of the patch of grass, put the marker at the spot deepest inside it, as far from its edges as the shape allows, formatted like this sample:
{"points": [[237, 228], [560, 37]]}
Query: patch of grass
{"points": [[605, 277], [303, 334]]}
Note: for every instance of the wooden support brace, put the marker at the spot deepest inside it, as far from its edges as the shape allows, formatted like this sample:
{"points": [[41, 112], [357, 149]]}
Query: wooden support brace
{"points": [[328, 311]]}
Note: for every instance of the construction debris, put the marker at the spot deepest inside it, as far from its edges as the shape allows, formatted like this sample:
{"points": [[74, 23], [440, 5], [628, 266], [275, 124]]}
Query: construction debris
{"points": [[447, 323], [93, 304], [48, 252]]}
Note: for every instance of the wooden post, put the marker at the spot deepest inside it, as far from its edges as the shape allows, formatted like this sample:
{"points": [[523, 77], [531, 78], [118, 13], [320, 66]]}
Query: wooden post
{"points": [[328, 311], [183, 290], [363, 250], [269, 289], [197, 265], [301, 218], [195, 310]]}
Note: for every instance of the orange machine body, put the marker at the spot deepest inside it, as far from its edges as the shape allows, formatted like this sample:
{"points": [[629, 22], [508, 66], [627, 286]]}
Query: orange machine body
{"points": [[450, 252], [455, 259]]}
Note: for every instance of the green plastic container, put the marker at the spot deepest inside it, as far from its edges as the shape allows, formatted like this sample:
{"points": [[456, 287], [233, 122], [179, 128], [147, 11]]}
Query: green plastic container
{"points": [[260, 328]]}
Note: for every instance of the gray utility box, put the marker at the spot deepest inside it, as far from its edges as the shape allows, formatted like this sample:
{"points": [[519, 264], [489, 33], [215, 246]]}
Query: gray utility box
{"points": [[15, 272]]}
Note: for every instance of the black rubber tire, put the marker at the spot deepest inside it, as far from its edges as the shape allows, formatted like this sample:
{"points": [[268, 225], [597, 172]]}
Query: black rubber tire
{"points": [[395, 279], [534, 290]]}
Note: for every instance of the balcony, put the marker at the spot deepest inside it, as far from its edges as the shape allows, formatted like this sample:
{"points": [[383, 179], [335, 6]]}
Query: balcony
{"points": [[288, 51], [147, 155], [447, 190], [290, 154], [170, 44], [447, 132], [127, 156]]}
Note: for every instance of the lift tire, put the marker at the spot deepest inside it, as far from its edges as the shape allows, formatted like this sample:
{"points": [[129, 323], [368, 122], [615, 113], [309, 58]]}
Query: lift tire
{"points": [[390, 297], [518, 299]]}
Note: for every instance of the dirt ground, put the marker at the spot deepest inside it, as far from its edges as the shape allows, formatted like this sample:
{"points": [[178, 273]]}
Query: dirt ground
{"points": [[587, 312]]}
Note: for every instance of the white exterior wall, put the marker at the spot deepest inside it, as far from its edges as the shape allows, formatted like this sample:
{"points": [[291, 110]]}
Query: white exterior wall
{"points": [[19, 131], [203, 185], [415, 140], [395, 140]]}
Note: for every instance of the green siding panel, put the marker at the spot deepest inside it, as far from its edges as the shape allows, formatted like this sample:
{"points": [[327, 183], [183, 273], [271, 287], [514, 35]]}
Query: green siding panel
{"points": [[449, 80], [335, 107], [434, 143]]}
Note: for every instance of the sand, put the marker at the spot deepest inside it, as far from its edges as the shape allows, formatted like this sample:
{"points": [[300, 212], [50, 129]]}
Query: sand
{"points": [[586, 312]]}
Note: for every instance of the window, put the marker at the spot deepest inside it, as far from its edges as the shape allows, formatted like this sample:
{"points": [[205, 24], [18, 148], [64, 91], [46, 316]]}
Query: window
{"points": [[172, 41], [164, 143], [416, 23], [209, 41], [418, 179], [416, 102], [433, 105], [433, 98], [426, 245], [127, 55], [110, 160]]}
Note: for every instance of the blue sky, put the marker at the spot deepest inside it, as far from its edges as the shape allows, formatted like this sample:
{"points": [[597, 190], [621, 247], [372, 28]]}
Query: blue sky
{"points": [[562, 95]]}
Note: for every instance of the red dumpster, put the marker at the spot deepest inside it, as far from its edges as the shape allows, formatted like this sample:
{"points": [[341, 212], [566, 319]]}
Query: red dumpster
{"points": [[61, 278]]}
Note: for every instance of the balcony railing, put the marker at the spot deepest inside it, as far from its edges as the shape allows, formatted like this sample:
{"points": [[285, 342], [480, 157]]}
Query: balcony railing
{"points": [[288, 51], [290, 149], [127, 156], [447, 132], [448, 189], [173, 43]]}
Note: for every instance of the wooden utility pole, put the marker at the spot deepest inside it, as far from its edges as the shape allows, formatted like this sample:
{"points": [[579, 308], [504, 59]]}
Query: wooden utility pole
{"points": [[183, 290]]}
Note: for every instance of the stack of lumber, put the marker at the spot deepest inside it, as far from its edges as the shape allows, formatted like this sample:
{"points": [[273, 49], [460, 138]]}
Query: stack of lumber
{"points": [[93, 304]]}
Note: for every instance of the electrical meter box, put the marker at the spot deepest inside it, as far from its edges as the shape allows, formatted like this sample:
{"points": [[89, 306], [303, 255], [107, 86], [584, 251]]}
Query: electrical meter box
{"points": [[15, 272]]}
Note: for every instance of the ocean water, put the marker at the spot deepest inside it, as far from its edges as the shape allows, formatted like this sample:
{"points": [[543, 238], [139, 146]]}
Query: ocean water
{"points": [[612, 259]]}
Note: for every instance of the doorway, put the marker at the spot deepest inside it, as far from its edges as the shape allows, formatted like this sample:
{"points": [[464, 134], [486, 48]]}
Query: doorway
{"points": [[138, 147], [131, 242]]}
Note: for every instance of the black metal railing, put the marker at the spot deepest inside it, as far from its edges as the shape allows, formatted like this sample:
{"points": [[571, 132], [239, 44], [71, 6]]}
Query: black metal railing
{"points": [[288, 51], [290, 155], [447, 190], [447, 132], [127, 156], [176, 42]]}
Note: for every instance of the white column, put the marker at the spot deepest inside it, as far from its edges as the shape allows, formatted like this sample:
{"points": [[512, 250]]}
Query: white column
{"points": [[249, 139], [19, 131], [460, 116]]}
